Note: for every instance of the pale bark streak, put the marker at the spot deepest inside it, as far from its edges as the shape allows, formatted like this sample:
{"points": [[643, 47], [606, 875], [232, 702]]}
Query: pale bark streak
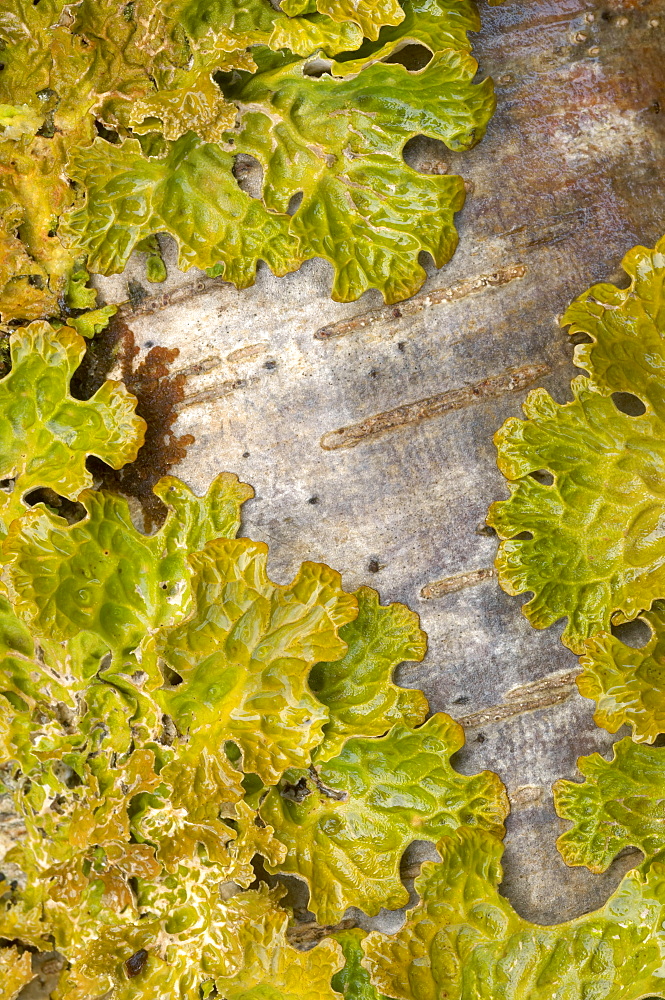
{"points": [[436, 297], [460, 581], [551, 690], [511, 380]]}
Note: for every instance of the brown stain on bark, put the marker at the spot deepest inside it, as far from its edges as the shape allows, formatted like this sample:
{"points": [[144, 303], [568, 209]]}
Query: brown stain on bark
{"points": [[159, 394]]}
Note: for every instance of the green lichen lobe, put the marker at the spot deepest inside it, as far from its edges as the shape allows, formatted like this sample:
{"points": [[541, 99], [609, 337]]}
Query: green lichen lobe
{"points": [[160, 700], [130, 118]]}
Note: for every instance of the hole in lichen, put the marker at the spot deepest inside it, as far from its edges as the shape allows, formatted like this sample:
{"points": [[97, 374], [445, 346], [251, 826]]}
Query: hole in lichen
{"points": [[543, 476], [636, 634], [295, 791], [413, 56], [579, 337], [47, 130], [249, 174], [628, 403], [524, 536], [71, 510], [158, 393], [109, 134], [426, 155], [169, 732], [317, 67], [67, 775], [171, 677], [295, 203]]}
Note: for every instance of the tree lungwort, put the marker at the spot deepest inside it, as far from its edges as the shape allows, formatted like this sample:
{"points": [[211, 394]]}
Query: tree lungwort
{"points": [[159, 734], [119, 121]]}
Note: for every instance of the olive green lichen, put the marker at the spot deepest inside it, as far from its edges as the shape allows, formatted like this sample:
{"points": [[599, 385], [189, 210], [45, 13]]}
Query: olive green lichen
{"points": [[596, 552], [589, 546], [464, 941], [119, 121], [177, 732], [158, 728]]}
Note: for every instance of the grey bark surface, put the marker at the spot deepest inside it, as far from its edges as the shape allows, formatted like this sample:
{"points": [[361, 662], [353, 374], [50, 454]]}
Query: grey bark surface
{"points": [[568, 178]]}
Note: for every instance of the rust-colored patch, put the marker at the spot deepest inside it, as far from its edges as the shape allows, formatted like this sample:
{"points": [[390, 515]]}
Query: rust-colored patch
{"points": [[159, 394]]}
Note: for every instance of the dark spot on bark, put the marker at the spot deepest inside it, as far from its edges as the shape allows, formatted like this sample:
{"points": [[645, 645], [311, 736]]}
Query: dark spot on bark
{"points": [[373, 566]]}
